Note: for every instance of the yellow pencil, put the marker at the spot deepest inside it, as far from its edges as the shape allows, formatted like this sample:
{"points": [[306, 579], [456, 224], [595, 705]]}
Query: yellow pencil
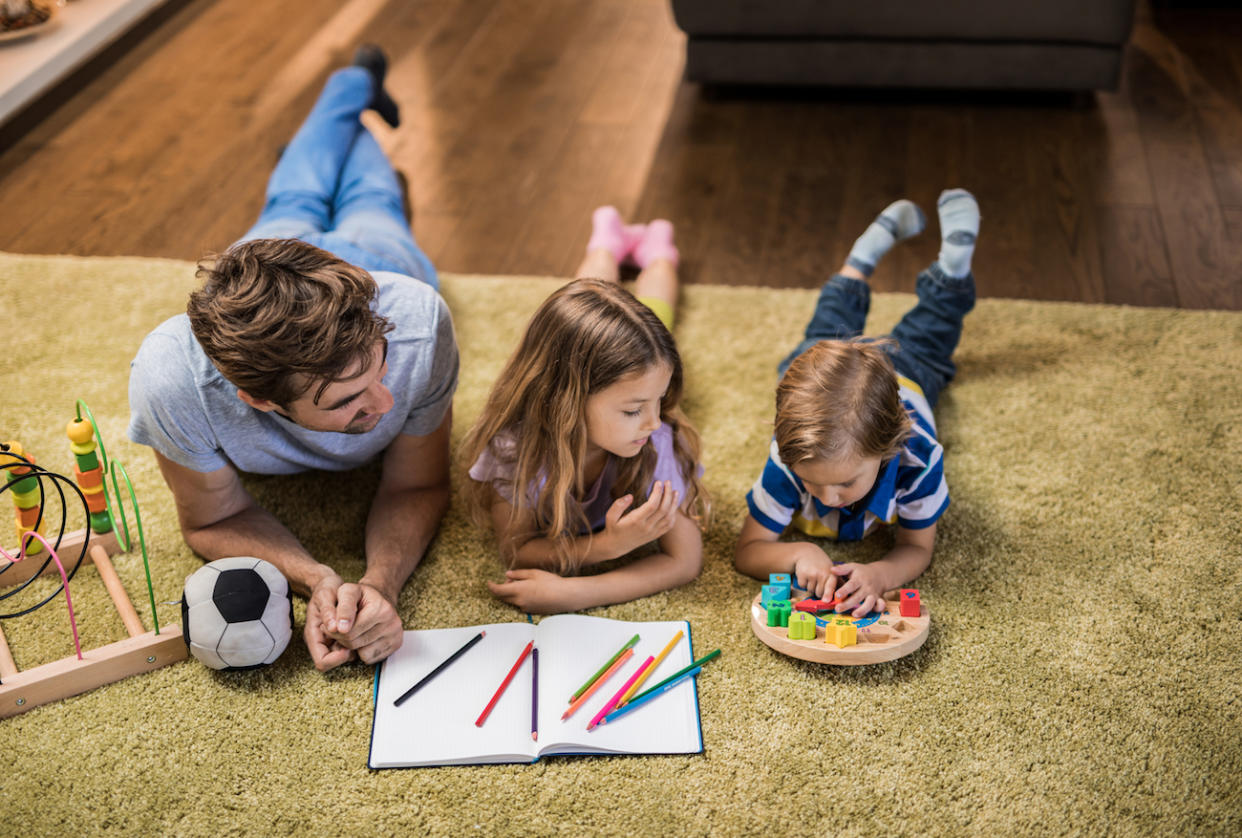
{"points": [[633, 689]]}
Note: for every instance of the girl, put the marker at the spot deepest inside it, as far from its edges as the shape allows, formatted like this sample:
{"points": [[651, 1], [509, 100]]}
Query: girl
{"points": [[581, 454]]}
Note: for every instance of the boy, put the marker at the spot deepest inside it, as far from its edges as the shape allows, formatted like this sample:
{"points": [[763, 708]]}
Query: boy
{"points": [[855, 440]]}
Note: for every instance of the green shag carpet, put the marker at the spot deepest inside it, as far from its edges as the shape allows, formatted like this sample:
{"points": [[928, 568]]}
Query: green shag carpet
{"points": [[1082, 675]]}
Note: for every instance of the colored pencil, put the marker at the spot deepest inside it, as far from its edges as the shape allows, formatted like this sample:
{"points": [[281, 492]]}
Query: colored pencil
{"points": [[655, 692], [500, 690], [599, 682], [534, 696], [433, 673], [612, 702], [629, 643], [698, 662], [647, 672]]}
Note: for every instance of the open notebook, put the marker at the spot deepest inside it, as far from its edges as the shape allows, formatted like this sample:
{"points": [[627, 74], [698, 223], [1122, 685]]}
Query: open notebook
{"points": [[435, 726]]}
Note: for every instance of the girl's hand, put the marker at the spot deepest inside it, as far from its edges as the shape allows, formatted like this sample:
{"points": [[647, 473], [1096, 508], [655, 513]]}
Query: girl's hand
{"points": [[813, 571], [646, 523], [863, 592], [536, 591]]}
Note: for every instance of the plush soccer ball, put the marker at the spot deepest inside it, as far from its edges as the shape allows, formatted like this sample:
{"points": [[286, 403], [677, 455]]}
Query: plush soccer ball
{"points": [[237, 613]]}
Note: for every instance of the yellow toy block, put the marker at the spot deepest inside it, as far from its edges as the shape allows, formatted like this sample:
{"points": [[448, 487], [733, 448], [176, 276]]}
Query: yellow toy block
{"points": [[841, 633], [801, 626]]}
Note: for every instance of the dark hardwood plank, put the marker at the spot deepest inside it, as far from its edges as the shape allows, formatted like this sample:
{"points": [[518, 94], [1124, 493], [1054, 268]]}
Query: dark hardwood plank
{"points": [[1135, 257], [521, 116]]}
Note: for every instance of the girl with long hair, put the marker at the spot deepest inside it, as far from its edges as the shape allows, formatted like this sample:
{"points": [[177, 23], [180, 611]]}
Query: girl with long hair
{"points": [[582, 454]]}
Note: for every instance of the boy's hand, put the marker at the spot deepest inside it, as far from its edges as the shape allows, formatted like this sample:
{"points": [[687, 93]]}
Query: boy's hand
{"points": [[646, 523], [863, 592], [536, 591], [813, 571]]}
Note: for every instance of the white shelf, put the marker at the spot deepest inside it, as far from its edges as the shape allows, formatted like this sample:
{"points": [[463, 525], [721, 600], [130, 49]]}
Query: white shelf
{"points": [[30, 66]]}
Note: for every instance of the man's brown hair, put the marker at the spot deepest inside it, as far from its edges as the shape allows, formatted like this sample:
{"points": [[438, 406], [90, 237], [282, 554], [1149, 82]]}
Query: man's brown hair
{"points": [[840, 399], [277, 316]]}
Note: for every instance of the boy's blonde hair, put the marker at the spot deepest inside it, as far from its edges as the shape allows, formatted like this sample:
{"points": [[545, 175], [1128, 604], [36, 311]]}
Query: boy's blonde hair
{"points": [[840, 399], [585, 337]]}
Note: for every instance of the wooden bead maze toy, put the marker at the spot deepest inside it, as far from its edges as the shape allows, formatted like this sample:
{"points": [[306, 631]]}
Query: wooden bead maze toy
{"points": [[783, 617], [103, 536]]}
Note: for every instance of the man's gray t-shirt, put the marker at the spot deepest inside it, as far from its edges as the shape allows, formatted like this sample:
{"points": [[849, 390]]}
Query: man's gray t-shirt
{"points": [[182, 406]]}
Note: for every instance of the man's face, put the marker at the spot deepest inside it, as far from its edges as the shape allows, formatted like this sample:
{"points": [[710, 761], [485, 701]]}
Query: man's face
{"points": [[353, 404]]}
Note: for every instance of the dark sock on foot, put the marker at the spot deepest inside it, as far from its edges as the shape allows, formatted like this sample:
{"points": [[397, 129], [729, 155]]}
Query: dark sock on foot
{"points": [[372, 59]]}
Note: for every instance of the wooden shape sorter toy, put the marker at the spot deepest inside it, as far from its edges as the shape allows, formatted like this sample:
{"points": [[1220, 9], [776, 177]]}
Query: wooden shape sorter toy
{"points": [[839, 638]]}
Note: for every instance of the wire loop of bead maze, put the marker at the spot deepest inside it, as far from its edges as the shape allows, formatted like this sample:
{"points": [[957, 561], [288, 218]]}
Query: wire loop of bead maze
{"points": [[102, 537]]}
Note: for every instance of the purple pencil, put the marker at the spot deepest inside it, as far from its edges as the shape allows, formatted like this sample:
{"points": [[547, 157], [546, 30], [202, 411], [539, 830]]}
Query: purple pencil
{"points": [[534, 694]]}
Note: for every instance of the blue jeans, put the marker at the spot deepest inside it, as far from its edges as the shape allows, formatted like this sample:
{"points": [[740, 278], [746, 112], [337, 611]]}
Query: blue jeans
{"points": [[335, 189], [924, 340]]}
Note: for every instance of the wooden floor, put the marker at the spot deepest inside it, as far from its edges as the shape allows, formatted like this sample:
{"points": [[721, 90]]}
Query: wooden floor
{"points": [[520, 116]]}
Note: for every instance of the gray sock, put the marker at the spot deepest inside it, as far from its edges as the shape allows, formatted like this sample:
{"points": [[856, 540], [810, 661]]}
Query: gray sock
{"points": [[899, 221], [959, 227]]}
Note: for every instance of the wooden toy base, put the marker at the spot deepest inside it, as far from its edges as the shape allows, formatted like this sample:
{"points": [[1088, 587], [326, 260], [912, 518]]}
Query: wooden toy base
{"points": [[889, 637]]}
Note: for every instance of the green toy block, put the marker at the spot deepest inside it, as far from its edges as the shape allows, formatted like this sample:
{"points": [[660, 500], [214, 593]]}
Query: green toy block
{"points": [[779, 611], [801, 626], [87, 461]]}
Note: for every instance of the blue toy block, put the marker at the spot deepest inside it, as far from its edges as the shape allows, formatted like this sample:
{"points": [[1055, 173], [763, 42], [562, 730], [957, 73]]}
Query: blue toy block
{"points": [[782, 581], [771, 593]]}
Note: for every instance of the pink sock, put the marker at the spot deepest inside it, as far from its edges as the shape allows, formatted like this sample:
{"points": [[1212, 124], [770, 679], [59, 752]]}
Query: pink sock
{"points": [[633, 234], [657, 243], [608, 232]]}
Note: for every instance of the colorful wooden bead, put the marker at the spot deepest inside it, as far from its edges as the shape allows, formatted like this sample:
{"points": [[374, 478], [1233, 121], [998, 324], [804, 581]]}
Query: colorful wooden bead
{"points": [[92, 479], [86, 462], [27, 517], [79, 431], [101, 522], [82, 448]]}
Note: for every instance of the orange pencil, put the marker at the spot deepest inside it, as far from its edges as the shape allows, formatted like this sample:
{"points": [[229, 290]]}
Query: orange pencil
{"points": [[598, 683]]}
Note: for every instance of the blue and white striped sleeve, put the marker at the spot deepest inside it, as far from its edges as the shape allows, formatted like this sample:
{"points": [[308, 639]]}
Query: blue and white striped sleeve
{"points": [[922, 494], [775, 497]]}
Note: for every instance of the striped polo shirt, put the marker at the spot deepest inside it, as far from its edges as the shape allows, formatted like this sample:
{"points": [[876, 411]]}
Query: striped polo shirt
{"points": [[910, 489]]}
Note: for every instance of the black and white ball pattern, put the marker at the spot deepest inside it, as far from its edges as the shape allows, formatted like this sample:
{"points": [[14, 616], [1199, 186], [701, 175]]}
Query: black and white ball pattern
{"points": [[237, 613]]}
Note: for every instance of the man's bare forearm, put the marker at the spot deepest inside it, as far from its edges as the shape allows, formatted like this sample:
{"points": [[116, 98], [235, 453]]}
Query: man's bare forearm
{"points": [[255, 532], [399, 527]]}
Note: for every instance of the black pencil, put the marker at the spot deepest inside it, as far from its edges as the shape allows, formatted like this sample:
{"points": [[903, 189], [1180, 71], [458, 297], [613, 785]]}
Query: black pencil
{"points": [[433, 673]]}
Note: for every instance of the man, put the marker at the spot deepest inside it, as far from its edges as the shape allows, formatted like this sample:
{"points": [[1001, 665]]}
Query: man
{"points": [[318, 341]]}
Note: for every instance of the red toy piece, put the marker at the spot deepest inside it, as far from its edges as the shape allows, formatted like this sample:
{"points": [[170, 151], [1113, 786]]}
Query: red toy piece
{"points": [[814, 606], [908, 602]]}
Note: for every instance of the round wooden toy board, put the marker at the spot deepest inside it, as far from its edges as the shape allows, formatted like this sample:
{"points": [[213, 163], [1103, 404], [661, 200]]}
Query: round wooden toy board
{"points": [[885, 637]]}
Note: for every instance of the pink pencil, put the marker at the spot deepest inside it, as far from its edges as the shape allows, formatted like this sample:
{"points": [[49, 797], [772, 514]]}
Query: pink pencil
{"points": [[613, 701], [599, 682]]}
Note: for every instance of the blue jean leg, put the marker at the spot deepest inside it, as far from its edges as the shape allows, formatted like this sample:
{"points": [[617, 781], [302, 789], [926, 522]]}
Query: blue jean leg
{"points": [[301, 189], [840, 314], [928, 334], [334, 187], [369, 216]]}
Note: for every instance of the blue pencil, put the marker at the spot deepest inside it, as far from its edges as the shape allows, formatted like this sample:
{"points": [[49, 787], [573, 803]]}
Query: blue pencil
{"points": [[655, 693]]}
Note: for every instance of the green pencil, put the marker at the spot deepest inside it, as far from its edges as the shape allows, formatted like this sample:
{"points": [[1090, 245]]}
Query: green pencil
{"points": [[676, 674], [602, 669]]}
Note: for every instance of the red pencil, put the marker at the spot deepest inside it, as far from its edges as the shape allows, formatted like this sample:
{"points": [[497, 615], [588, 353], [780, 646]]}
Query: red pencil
{"points": [[500, 690]]}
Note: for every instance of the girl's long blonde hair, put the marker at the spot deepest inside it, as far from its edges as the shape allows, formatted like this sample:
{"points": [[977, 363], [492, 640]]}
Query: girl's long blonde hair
{"points": [[583, 338]]}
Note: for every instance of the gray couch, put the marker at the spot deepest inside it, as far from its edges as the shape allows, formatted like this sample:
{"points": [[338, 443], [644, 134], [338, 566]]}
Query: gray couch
{"points": [[971, 44]]}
